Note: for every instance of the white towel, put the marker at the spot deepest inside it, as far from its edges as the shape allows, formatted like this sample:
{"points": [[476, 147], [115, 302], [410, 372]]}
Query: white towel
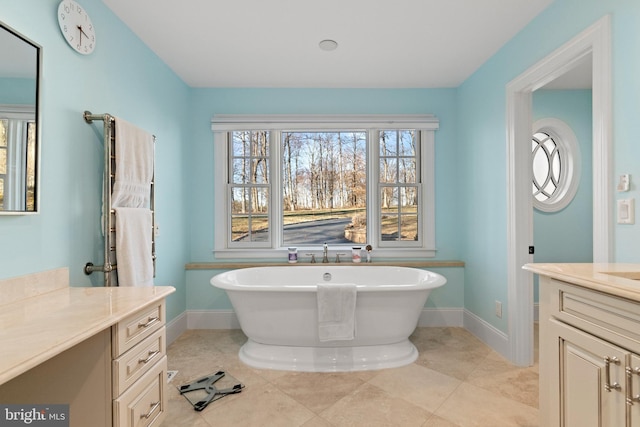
{"points": [[134, 166], [133, 247], [336, 311]]}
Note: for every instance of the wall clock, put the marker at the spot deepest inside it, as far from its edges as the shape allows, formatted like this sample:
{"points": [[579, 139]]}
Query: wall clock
{"points": [[76, 27]]}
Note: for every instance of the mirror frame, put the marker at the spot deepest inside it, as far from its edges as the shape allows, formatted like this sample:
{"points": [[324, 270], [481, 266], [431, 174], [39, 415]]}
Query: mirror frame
{"points": [[38, 122]]}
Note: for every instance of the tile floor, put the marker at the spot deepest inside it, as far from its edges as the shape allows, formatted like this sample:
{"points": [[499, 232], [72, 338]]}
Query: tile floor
{"points": [[456, 381]]}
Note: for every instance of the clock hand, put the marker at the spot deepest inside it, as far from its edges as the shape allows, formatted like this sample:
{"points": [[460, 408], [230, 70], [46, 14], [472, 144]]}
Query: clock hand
{"points": [[81, 33]]}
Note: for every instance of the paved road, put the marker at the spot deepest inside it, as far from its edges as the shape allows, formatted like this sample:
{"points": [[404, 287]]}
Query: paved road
{"points": [[316, 232], [312, 233]]}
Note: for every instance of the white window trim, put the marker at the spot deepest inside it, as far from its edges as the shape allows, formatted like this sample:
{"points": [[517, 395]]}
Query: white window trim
{"points": [[222, 124], [570, 158]]}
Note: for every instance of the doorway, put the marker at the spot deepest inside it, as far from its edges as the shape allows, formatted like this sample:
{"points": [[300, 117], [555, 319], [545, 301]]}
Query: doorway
{"points": [[595, 41], [562, 185]]}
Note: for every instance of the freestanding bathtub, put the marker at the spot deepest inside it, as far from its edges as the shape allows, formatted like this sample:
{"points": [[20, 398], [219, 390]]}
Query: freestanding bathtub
{"points": [[278, 311]]}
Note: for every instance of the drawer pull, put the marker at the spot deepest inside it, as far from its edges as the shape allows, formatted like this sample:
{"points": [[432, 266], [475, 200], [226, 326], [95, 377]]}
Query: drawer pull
{"points": [[607, 363], [150, 321], [152, 354], [630, 398], [154, 406]]}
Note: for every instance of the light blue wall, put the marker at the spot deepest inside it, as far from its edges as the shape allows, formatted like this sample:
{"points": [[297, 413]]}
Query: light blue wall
{"points": [[567, 235], [207, 102], [124, 78], [482, 138], [17, 91]]}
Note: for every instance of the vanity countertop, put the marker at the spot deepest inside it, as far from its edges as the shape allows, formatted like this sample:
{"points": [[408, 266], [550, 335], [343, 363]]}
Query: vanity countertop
{"points": [[617, 279], [35, 329]]}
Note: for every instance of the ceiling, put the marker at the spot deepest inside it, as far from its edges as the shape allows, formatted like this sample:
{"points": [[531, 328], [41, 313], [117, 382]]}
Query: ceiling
{"points": [[580, 76], [274, 43]]}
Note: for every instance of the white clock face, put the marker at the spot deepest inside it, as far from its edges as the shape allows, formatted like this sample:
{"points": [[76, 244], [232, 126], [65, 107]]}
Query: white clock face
{"points": [[76, 27]]}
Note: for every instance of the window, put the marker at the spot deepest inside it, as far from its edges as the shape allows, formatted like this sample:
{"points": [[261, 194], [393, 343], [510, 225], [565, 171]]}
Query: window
{"points": [[249, 186], [556, 165], [399, 185], [324, 187], [547, 166], [17, 159], [304, 180]]}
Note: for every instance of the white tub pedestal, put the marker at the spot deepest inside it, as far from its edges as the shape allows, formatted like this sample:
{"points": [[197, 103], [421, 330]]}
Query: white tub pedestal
{"points": [[328, 359]]}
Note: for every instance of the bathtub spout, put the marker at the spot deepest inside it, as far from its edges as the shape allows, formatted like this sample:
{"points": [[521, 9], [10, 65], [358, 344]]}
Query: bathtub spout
{"points": [[325, 253]]}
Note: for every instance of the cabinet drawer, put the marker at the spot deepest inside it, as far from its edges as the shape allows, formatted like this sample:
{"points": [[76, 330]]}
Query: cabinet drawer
{"points": [[145, 403], [612, 318], [135, 362], [137, 327]]}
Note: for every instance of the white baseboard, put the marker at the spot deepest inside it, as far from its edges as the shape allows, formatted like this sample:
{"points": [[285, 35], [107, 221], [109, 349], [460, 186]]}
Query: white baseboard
{"points": [[212, 319], [176, 327], [452, 317], [488, 334]]}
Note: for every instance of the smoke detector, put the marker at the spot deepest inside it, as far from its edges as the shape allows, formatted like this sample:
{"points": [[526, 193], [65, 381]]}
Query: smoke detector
{"points": [[328, 45]]}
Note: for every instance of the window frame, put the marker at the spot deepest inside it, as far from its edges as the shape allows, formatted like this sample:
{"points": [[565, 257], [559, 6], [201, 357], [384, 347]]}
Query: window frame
{"points": [[426, 125], [570, 160]]}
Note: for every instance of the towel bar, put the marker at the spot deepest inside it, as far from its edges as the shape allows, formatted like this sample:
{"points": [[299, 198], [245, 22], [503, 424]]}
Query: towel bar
{"points": [[109, 266]]}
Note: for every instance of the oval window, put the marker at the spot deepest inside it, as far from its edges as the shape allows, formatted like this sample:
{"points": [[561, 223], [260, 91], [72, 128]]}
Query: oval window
{"points": [[555, 157]]}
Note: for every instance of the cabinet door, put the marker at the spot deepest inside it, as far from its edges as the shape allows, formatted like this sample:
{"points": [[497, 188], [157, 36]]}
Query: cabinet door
{"points": [[634, 390], [592, 380]]}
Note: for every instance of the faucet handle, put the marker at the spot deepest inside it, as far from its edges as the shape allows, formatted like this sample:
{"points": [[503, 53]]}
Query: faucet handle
{"points": [[313, 258], [338, 257]]}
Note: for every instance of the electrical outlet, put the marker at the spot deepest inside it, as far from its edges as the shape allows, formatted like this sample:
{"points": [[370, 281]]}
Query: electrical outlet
{"points": [[499, 309]]}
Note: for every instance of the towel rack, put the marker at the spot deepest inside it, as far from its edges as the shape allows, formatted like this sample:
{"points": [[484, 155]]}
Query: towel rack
{"points": [[109, 267]]}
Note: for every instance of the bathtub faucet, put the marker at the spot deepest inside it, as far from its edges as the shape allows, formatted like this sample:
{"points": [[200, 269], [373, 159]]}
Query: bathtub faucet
{"points": [[325, 253]]}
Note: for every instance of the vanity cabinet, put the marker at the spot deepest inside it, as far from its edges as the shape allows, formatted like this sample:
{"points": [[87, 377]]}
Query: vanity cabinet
{"points": [[589, 357], [102, 351], [139, 368]]}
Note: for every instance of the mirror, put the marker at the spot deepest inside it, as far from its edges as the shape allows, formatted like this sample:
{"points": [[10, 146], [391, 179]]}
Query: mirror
{"points": [[19, 122]]}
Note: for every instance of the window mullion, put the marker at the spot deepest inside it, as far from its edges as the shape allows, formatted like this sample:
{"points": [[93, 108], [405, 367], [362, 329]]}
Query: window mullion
{"points": [[221, 167], [373, 187], [426, 221], [275, 191]]}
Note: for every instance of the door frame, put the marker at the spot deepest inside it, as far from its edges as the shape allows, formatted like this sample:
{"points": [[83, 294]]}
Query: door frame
{"points": [[595, 40]]}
